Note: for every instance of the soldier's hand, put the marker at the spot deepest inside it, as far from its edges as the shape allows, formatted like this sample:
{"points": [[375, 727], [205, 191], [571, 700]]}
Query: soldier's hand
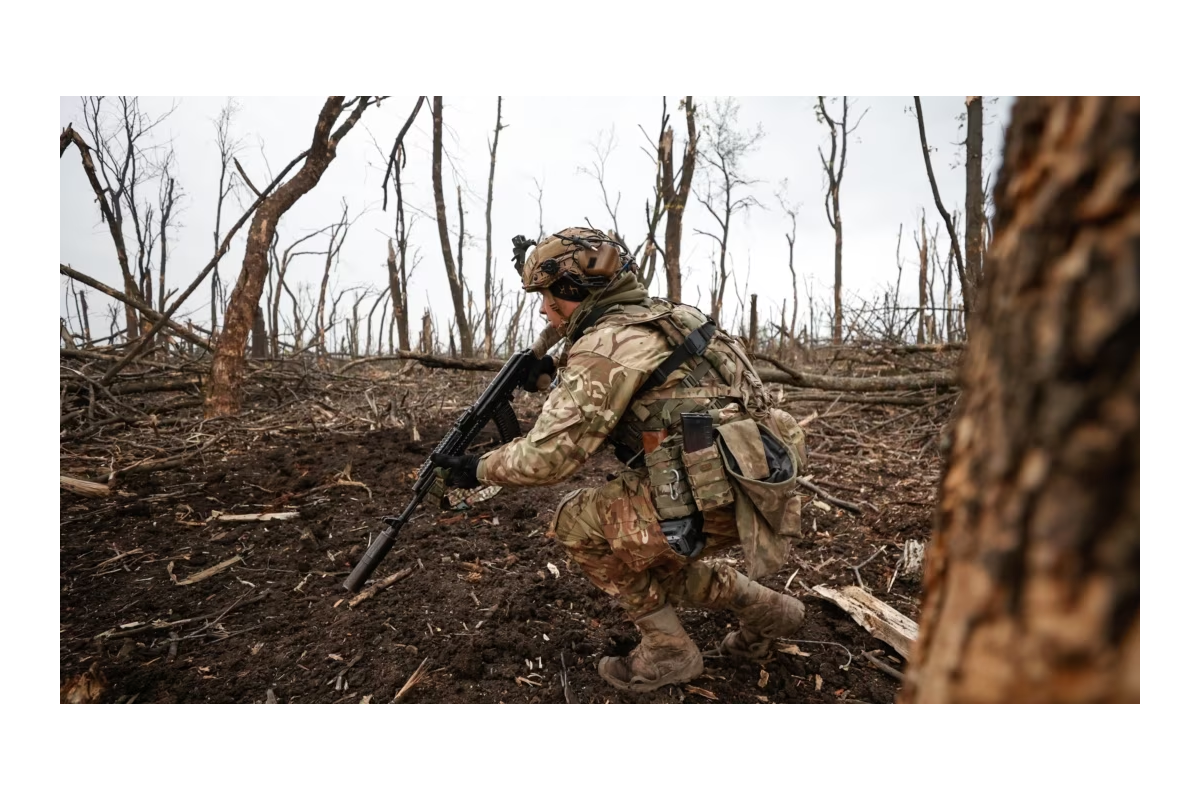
{"points": [[540, 375], [458, 471]]}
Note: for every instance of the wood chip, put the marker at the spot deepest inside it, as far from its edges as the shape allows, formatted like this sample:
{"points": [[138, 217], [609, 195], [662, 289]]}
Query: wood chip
{"points": [[208, 573], [701, 692], [278, 515], [792, 650], [379, 586], [81, 487]]}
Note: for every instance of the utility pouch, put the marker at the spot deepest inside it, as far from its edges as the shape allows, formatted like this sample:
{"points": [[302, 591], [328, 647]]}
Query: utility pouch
{"points": [[702, 463], [668, 485]]}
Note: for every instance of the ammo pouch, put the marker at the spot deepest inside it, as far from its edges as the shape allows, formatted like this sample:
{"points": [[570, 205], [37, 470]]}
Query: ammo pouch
{"points": [[681, 521], [668, 484], [706, 473]]}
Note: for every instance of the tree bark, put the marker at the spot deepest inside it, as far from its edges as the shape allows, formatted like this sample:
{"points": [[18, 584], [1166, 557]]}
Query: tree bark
{"points": [[975, 220], [223, 395], [456, 289], [1032, 588]]}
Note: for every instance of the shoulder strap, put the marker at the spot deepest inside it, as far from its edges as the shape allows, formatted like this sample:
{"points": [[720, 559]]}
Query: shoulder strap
{"points": [[695, 344]]}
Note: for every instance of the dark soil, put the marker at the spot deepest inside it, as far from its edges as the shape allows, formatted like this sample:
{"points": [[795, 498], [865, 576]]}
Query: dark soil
{"points": [[481, 607]]}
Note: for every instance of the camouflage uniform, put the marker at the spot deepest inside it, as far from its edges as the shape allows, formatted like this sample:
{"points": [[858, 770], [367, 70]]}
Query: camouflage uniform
{"points": [[613, 531]]}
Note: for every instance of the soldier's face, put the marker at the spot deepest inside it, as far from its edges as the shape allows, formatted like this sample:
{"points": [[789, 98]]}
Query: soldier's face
{"points": [[551, 307]]}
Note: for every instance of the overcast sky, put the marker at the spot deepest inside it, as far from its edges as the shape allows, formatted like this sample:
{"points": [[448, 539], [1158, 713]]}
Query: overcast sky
{"points": [[549, 140]]}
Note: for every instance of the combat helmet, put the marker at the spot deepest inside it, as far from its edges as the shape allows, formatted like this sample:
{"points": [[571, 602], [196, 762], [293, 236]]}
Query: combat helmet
{"points": [[570, 263]]}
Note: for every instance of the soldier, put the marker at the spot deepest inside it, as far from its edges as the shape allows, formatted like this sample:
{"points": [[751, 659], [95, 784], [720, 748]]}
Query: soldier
{"points": [[634, 371]]}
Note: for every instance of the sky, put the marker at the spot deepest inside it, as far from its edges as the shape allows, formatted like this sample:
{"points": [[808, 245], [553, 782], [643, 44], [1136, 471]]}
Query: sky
{"points": [[548, 141]]}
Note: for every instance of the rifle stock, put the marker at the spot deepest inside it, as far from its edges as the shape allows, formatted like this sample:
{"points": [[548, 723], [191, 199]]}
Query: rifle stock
{"points": [[522, 370]]}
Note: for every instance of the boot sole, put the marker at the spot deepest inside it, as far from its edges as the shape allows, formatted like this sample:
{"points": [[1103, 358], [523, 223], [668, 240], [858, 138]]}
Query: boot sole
{"points": [[692, 671]]}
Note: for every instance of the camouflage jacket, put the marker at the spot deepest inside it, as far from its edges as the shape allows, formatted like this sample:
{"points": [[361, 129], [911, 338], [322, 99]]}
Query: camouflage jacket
{"points": [[598, 378], [596, 400]]}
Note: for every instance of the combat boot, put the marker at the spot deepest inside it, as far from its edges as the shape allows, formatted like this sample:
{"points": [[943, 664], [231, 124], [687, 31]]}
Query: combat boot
{"points": [[765, 615], [665, 655]]}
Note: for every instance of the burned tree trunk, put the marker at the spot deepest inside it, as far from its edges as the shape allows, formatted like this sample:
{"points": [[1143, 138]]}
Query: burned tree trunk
{"points": [[675, 198], [1032, 590], [752, 338], [258, 342], [223, 394], [426, 333]]}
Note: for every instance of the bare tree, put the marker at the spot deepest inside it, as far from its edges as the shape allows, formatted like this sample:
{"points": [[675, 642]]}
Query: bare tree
{"points": [[353, 323], [514, 322], [397, 261], [937, 199], [541, 192], [452, 272], [602, 149], [337, 238], [923, 293], [675, 196], [281, 267], [81, 298], [725, 187], [650, 247], [1032, 583], [228, 148], [489, 310], [169, 193], [371, 318], [791, 211], [835, 166], [752, 336], [113, 175], [223, 391], [427, 332], [975, 220]]}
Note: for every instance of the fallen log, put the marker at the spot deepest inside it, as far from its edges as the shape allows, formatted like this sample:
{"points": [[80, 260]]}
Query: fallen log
{"points": [[939, 379]]}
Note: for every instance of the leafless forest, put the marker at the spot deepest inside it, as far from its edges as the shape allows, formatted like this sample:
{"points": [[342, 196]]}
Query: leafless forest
{"points": [[971, 529]]}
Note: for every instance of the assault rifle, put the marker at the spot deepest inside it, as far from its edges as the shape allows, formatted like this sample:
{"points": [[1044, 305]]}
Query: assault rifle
{"points": [[525, 369]]}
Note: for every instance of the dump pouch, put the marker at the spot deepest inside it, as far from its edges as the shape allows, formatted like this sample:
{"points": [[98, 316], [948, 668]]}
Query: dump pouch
{"points": [[764, 467]]}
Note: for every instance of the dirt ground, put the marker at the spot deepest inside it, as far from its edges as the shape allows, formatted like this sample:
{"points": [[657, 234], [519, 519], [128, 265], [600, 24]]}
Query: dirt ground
{"points": [[491, 607]]}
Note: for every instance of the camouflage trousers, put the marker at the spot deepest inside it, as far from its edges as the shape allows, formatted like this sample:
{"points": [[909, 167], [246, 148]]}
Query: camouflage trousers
{"points": [[613, 534]]}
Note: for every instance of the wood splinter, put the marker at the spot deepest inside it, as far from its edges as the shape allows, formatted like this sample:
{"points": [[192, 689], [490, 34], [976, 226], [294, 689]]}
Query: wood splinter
{"points": [[376, 588]]}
